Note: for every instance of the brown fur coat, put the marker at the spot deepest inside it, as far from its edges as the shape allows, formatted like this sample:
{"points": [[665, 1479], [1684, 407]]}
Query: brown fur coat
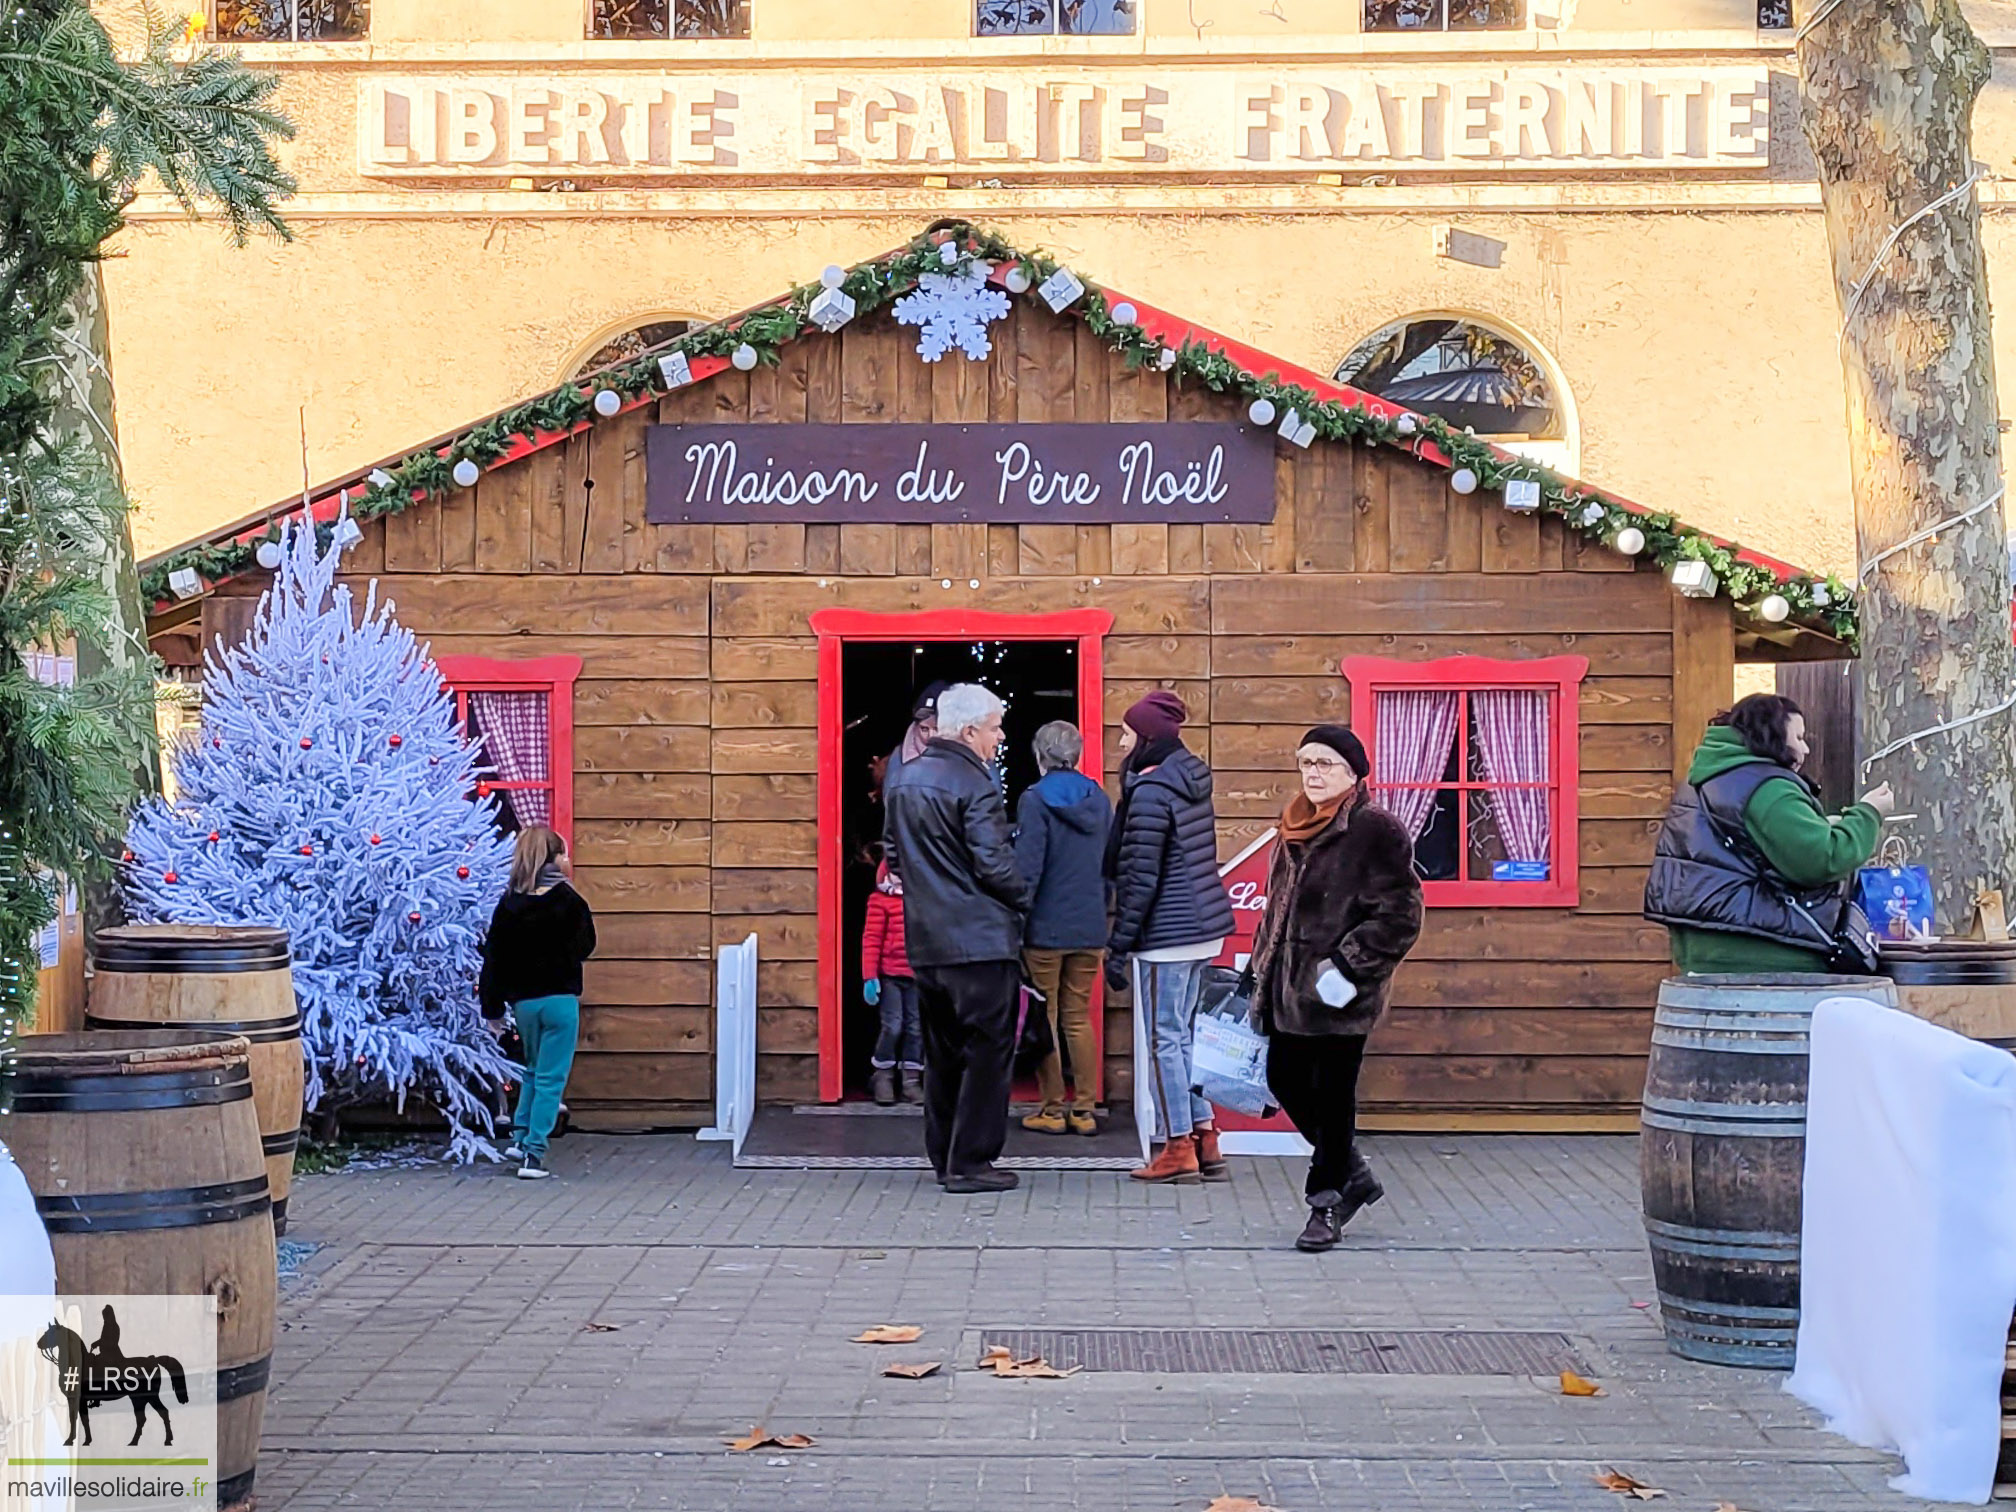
{"points": [[1348, 898]]}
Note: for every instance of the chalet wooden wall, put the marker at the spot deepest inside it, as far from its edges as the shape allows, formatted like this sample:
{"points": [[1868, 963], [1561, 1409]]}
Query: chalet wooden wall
{"points": [[695, 713]]}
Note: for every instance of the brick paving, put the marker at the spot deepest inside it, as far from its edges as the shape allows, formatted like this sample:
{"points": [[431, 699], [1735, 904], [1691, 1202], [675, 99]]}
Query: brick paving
{"points": [[434, 1348]]}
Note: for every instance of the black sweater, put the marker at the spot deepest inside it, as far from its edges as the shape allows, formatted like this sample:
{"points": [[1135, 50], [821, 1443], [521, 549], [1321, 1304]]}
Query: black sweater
{"points": [[535, 947]]}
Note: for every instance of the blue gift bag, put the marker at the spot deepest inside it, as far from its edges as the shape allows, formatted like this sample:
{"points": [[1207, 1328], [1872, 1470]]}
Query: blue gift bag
{"points": [[1897, 900]]}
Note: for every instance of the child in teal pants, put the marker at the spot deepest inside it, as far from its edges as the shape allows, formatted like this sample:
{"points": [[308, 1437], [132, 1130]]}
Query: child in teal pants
{"points": [[539, 935]]}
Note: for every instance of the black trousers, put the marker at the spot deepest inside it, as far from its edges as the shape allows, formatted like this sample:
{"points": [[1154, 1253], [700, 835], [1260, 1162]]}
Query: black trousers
{"points": [[1315, 1079], [968, 1015]]}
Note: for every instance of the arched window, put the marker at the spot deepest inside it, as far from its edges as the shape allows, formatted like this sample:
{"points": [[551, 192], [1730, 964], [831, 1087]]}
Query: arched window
{"points": [[634, 342], [1472, 375]]}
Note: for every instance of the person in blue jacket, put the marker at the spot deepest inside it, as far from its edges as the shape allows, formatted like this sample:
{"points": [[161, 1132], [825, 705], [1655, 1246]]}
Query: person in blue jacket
{"points": [[1060, 849]]}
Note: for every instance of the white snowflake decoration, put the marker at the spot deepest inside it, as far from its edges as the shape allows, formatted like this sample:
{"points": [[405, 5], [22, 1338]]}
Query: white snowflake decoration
{"points": [[953, 309]]}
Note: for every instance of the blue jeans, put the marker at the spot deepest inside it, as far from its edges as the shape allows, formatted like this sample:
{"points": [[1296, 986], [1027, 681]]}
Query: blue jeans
{"points": [[548, 1026], [1168, 991], [901, 1040]]}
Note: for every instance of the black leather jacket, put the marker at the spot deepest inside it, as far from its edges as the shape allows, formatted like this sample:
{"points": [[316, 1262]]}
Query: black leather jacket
{"points": [[946, 822], [1709, 874]]}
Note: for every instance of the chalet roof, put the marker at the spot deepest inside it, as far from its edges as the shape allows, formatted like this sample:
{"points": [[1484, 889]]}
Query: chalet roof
{"points": [[1819, 620]]}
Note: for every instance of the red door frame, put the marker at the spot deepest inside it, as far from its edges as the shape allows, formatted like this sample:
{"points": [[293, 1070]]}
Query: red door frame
{"points": [[836, 627]]}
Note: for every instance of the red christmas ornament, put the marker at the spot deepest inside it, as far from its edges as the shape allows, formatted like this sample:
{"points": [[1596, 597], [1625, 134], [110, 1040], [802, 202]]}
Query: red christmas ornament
{"points": [[433, 761], [306, 743], [170, 877], [217, 741], [125, 855], [461, 871], [307, 850], [374, 839], [213, 837], [482, 790], [395, 741], [413, 918]]}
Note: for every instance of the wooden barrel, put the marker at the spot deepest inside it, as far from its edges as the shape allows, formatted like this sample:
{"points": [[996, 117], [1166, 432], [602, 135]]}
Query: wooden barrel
{"points": [[142, 1150], [234, 981], [1723, 1156], [1968, 986]]}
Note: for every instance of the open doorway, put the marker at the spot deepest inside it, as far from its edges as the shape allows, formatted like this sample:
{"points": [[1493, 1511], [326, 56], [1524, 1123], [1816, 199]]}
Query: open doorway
{"points": [[881, 681]]}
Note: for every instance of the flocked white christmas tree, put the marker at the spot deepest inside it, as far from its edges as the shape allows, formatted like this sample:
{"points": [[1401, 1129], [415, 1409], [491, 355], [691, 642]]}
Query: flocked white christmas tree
{"points": [[328, 793]]}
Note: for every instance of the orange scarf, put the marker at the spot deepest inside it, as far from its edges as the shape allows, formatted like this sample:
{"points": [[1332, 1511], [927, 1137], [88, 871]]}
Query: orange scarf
{"points": [[1302, 820]]}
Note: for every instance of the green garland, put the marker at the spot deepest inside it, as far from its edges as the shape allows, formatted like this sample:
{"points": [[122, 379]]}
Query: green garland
{"points": [[1824, 604]]}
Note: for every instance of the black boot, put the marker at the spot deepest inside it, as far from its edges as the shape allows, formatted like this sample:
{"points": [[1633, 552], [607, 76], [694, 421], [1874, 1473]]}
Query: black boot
{"points": [[882, 1084], [1361, 1190], [1325, 1227]]}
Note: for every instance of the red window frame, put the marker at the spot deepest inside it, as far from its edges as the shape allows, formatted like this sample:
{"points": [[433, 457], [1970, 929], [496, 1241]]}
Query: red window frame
{"points": [[835, 627], [554, 676], [1558, 676]]}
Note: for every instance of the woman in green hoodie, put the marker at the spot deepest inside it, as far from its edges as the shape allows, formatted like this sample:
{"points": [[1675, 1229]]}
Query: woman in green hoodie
{"points": [[1749, 871]]}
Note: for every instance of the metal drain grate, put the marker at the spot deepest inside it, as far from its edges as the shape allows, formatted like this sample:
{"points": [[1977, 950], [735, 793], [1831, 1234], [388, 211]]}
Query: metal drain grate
{"points": [[1284, 1351]]}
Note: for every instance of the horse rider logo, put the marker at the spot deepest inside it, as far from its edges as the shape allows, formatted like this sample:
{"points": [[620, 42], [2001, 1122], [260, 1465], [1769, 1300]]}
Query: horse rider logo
{"points": [[103, 1372]]}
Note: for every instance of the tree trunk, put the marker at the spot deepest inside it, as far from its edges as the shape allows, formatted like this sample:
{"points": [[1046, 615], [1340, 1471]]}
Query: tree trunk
{"points": [[82, 389], [1889, 89]]}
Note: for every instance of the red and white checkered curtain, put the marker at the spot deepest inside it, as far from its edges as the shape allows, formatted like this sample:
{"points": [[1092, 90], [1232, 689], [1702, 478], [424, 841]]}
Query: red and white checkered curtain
{"points": [[1417, 727], [516, 736], [1511, 725]]}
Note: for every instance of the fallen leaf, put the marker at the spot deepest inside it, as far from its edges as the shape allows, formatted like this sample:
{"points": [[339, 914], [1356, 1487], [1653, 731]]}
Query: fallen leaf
{"points": [[600, 1327], [1238, 1504], [913, 1372], [1727, 1507], [1575, 1385], [890, 1333], [1624, 1485], [1641, 1306], [1032, 1368], [760, 1438]]}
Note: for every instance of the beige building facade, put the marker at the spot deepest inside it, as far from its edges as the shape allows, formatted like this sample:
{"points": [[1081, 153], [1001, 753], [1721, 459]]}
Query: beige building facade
{"points": [[1594, 217]]}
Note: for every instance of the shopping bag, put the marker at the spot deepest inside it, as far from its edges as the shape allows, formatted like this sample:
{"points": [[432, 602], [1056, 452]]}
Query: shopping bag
{"points": [[1896, 898], [1033, 1041], [1228, 1056]]}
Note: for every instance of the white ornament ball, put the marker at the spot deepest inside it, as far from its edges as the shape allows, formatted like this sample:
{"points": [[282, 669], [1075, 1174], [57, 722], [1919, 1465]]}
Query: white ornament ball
{"points": [[1017, 279], [466, 473], [608, 402], [1125, 314], [1630, 540], [1463, 480], [1261, 412], [832, 275], [268, 554], [1776, 608], [745, 358], [1406, 425]]}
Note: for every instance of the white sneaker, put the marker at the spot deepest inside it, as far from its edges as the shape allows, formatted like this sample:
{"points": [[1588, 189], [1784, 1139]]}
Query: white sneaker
{"points": [[512, 1152], [534, 1169]]}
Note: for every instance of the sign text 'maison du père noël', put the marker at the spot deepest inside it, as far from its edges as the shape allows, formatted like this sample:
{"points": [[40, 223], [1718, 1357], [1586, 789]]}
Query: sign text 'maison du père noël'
{"points": [[1201, 472]]}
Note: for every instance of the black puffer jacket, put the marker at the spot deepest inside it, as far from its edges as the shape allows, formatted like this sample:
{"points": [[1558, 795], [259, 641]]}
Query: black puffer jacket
{"points": [[1166, 890], [947, 827]]}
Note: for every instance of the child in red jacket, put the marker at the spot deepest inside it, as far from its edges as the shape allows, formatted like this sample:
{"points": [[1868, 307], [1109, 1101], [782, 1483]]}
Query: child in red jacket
{"points": [[886, 984]]}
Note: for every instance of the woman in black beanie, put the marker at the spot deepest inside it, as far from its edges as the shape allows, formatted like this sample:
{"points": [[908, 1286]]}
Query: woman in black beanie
{"points": [[1343, 908]]}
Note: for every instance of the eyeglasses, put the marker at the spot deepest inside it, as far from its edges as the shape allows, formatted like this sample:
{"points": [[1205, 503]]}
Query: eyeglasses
{"points": [[1322, 768]]}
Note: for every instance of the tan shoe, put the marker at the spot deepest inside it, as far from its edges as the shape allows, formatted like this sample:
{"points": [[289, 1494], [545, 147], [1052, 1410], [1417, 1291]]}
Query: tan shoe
{"points": [[1177, 1162], [1045, 1122], [1210, 1163], [1083, 1123]]}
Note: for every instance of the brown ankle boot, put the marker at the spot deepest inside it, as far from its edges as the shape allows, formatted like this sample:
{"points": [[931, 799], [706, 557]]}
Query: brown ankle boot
{"points": [[1210, 1163], [1177, 1162]]}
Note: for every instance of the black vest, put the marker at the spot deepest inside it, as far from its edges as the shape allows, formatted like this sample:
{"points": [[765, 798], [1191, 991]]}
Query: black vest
{"points": [[1707, 873]]}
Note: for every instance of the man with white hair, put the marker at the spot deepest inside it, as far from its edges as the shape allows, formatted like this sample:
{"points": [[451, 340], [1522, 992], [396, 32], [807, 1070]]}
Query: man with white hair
{"points": [[964, 901]]}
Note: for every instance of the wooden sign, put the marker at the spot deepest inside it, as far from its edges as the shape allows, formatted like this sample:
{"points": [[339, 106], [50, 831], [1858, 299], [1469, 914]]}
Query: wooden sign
{"points": [[1067, 474]]}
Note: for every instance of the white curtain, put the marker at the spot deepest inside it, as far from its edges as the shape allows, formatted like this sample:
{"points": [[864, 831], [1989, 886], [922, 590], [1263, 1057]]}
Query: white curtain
{"points": [[516, 736], [1511, 725], [1417, 727]]}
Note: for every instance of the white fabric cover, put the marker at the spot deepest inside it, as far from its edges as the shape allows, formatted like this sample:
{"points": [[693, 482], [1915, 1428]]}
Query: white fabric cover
{"points": [[27, 1268], [1907, 1255]]}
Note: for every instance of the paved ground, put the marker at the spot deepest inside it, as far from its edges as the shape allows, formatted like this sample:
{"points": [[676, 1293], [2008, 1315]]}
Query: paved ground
{"points": [[434, 1350]]}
